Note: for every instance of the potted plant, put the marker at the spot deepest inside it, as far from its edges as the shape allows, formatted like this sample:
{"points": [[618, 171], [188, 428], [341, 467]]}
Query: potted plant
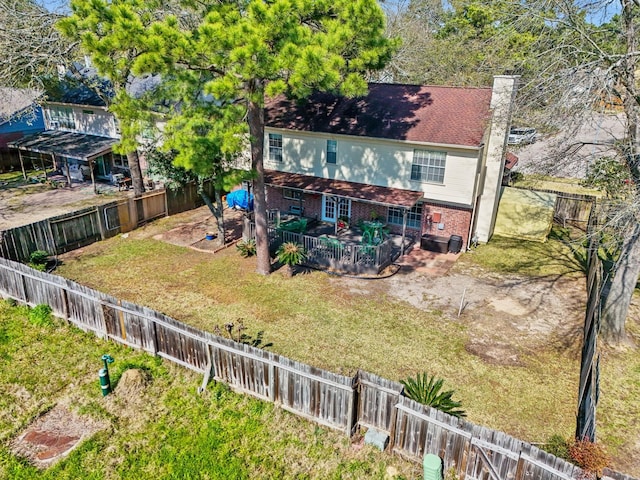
{"points": [[290, 254], [343, 223]]}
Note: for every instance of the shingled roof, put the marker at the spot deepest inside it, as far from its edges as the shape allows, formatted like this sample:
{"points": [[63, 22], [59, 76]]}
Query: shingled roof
{"points": [[432, 114]]}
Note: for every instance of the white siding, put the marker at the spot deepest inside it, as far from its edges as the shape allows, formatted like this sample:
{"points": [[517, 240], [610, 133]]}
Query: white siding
{"points": [[376, 162], [101, 122]]}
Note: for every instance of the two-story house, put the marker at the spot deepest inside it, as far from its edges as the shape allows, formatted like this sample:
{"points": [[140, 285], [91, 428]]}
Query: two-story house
{"points": [[425, 159], [79, 135]]}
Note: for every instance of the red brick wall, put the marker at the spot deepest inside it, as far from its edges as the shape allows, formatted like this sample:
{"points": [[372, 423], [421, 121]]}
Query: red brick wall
{"points": [[456, 221]]}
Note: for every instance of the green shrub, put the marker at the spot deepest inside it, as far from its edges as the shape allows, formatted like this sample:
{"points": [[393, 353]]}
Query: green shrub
{"points": [[247, 248], [38, 260], [427, 391], [290, 254], [40, 315]]}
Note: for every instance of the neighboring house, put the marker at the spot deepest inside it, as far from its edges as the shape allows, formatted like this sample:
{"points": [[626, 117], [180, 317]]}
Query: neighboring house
{"points": [[426, 159], [79, 135], [19, 116], [80, 132]]}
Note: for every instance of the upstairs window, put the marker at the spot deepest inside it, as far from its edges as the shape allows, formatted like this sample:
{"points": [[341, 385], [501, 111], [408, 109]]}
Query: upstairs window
{"points": [[428, 166], [275, 147], [61, 117], [332, 151]]}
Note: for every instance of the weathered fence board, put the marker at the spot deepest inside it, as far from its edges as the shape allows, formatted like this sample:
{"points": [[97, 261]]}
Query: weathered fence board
{"points": [[571, 207], [336, 401], [376, 400], [69, 231]]}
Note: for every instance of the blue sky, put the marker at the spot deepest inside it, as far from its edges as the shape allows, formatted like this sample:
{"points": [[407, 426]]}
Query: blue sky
{"points": [[598, 17], [54, 5]]}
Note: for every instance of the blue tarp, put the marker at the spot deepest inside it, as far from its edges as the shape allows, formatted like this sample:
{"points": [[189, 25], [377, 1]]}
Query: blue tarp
{"points": [[240, 199]]}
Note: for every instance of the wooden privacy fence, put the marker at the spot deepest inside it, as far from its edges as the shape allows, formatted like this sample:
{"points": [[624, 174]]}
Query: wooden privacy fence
{"points": [[571, 207], [336, 401], [67, 232]]}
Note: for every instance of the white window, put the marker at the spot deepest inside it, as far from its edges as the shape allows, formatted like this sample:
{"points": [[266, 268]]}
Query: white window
{"points": [[275, 147], [61, 117], [120, 161], [414, 216], [428, 166], [332, 151], [291, 194]]}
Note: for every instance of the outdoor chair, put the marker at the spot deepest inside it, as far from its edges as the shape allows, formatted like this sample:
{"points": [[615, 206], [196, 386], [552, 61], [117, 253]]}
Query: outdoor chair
{"points": [[297, 210]]}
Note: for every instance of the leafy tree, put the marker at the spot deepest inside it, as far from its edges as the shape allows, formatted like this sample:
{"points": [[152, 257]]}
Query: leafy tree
{"points": [[110, 33], [466, 44], [252, 49], [589, 67], [32, 48], [164, 164]]}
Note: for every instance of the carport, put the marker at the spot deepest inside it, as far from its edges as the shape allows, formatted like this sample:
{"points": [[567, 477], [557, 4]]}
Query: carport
{"points": [[66, 145]]}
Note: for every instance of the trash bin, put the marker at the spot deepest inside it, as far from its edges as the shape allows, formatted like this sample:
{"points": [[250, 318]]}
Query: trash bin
{"points": [[432, 467], [455, 243]]}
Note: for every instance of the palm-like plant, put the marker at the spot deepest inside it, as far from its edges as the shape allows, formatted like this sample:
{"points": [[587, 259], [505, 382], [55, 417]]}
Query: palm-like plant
{"points": [[427, 390], [290, 254]]}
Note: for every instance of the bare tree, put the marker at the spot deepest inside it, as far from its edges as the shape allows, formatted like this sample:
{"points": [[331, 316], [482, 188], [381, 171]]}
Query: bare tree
{"points": [[32, 48], [587, 66]]}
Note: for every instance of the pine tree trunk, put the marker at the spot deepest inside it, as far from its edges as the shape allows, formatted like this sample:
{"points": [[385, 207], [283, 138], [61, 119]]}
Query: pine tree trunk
{"points": [[256, 132], [623, 284], [136, 173]]}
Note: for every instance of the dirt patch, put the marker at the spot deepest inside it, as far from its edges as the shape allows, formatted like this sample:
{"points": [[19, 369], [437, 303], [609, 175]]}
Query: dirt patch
{"points": [[202, 232], [31, 203], [53, 435], [505, 316], [132, 384]]}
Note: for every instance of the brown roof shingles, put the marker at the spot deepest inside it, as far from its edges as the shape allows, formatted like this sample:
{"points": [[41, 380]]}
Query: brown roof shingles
{"points": [[368, 193], [431, 114]]}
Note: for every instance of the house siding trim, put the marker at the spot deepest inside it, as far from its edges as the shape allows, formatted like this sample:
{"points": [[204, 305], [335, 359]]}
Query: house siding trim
{"points": [[376, 140]]}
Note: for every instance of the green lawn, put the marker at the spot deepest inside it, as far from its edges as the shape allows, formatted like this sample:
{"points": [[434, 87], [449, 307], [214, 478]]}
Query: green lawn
{"points": [[166, 432], [310, 319]]}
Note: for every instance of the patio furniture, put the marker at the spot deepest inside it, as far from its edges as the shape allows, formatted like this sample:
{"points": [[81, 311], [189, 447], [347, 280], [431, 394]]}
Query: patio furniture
{"points": [[296, 210], [121, 181], [372, 233], [298, 225]]}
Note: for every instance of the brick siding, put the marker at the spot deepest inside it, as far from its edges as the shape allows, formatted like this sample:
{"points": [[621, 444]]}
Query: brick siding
{"points": [[456, 221]]}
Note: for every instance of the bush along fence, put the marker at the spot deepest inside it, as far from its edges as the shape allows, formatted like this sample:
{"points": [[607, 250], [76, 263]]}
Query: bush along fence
{"points": [[67, 232], [336, 401]]}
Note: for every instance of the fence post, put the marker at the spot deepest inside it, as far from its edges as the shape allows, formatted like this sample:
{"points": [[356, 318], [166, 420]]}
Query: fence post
{"points": [[65, 302], [154, 329], [25, 297], [352, 412], [100, 225], [121, 318], [166, 203], [272, 382]]}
